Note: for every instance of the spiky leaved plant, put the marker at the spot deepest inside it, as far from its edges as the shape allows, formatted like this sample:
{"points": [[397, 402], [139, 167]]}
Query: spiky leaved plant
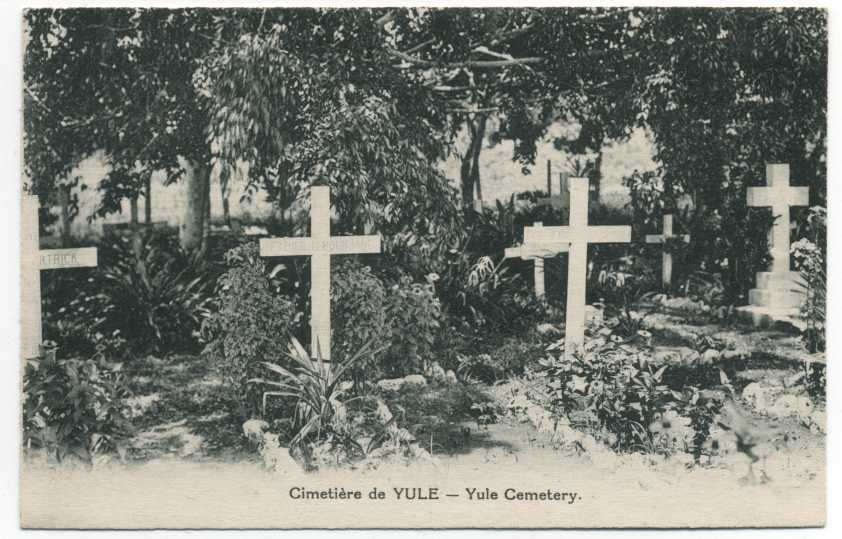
{"points": [[314, 384]]}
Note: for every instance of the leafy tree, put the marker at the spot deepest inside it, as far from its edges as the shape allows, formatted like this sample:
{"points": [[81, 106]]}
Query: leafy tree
{"points": [[120, 80], [724, 92]]}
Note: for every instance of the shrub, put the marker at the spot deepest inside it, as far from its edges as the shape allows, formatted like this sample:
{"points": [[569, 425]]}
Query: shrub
{"points": [[502, 360], [251, 319], [619, 390], [809, 255], [436, 414], [487, 296], [155, 298], [403, 317], [75, 406], [315, 389], [414, 316], [358, 306], [727, 239], [622, 284]]}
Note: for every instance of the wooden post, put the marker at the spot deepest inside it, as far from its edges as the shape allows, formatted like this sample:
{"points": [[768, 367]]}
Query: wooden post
{"points": [[147, 199], [577, 235], [549, 178], [538, 269], [33, 260], [320, 246], [537, 252], [666, 258]]}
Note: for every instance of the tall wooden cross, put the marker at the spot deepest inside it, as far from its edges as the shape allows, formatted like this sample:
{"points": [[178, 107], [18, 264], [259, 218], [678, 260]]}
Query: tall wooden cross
{"points": [[780, 196], [537, 252], [320, 246], [577, 235], [33, 260], [666, 257]]}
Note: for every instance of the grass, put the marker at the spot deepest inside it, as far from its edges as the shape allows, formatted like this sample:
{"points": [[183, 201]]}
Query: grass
{"points": [[190, 392]]}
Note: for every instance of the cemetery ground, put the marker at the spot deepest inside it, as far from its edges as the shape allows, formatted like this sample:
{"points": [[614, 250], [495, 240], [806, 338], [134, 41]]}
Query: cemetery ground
{"points": [[184, 423]]}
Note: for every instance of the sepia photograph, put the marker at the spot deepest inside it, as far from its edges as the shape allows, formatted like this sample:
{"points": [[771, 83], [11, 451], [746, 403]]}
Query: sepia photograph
{"points": [[422, 267]]}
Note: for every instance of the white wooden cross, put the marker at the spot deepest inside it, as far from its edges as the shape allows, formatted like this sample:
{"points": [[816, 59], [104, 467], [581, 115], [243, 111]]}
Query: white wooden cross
{"points": [[320, 246], [33, 260], [577, 235], [666, 257], [537, 252], [780, 196]]}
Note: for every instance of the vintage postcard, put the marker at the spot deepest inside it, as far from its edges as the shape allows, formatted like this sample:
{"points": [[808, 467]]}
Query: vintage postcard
{"points": [[507, 267]]}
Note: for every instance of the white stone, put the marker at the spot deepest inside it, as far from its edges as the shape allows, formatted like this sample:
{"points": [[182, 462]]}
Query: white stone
{"points": [[253, 429], [710, 355], [320, 246], [547, 330], [437, 373], [415, 380], [594, 315]]}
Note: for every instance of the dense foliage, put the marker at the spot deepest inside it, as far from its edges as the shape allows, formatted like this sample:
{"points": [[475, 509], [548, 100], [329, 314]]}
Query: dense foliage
{"points": [[618, 390], [151, 295], [810, 253], [369, 102], [75, 407], [251, 319]]}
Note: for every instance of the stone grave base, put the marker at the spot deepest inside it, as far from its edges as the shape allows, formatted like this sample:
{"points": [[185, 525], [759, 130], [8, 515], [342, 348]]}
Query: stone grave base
{"points": [[768, 317], [775, 301]]}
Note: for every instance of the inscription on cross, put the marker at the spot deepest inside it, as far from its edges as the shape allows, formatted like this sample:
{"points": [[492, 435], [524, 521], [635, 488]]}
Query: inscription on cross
{"points": [[320, 246], [577, 235], [537, 252], [33, 260], [666, 257], [778, 195]]}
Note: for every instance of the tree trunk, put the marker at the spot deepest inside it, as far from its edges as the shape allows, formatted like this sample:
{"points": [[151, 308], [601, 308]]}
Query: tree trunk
{"points": [[197, 192], [550, 178], [596, 175], [469, 170], [147, 197], [134, 223], [64, 202], [226, 209]]}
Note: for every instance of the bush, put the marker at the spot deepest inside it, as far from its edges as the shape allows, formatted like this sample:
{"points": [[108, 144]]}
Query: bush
{"points": [[75, 406], [358, 306], [727, 239], [251, 321], [315, 389], [809, 255], [155, 298], [403, 318], [509, 358], [618, 390], [415, 316], [622, 284], [436, 414]]}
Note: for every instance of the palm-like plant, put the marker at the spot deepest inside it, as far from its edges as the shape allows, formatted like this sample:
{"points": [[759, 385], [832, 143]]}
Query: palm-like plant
{"points": [[314, 384]]}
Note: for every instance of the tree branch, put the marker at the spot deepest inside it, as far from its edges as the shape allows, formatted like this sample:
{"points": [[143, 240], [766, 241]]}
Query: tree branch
{"points": [[478, 64]]}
